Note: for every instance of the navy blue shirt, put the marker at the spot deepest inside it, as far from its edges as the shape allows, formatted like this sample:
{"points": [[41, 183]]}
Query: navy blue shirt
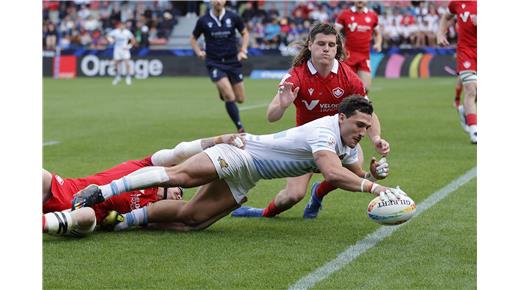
{"points": [[219, 34]]}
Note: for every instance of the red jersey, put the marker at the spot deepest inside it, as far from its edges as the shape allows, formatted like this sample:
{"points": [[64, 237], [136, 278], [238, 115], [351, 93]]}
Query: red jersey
{"points": [[63, 189], [466, 12], [358, 27], [320, 96]]}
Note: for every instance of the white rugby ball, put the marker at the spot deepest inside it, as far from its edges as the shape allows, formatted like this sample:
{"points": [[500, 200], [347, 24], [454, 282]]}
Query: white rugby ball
{"points": [[391, 212]]}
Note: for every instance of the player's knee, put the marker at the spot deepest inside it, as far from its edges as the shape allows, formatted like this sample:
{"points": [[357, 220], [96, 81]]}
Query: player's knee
{"points": [[85, 218]]}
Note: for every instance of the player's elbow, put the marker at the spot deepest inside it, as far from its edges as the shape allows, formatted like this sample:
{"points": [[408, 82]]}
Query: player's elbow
{"points": [[333, 177]]}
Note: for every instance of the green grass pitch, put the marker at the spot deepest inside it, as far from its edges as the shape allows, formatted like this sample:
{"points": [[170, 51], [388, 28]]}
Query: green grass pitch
{"points": [[98, 125]]}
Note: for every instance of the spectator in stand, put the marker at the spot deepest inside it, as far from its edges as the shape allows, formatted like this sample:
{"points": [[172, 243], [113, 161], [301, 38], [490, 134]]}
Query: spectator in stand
{"points": [[272, 33], [50, 36]]}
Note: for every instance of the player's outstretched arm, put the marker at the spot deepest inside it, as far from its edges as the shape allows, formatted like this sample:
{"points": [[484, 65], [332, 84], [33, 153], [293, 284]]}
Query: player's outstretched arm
{"points": [[281, 101], [334, 173], [374, 132], [185, 150]]}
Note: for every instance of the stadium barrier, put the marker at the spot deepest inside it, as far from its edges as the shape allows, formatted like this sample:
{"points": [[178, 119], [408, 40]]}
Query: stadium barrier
{"points": [[396, 63]]}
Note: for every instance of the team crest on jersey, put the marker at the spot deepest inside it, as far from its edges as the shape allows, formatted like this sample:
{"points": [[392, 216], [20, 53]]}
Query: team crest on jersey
{"points": [[311, 90], [466, 64], [463, 6], [223, 164], [228, 22], [352, 18], [367, 19], [210, 24], [331, 142], [337, 92]]}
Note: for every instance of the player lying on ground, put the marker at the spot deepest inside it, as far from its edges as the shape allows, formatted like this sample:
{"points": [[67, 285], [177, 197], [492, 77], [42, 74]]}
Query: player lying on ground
{"points": [[58, 192], [225, 173], [321, 58]]}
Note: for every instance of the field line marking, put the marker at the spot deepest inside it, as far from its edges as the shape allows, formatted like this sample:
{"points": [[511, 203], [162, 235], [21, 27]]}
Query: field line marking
{"points": [[352, 252], [250, 107], [50, 143]]}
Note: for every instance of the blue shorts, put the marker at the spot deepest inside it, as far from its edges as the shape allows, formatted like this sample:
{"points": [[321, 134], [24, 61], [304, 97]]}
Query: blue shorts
{"points": [[232, 69]]}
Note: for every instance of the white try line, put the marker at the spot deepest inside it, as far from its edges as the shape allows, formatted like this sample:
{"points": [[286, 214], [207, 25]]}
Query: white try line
{"points": [[50, 143], [351, 253]]}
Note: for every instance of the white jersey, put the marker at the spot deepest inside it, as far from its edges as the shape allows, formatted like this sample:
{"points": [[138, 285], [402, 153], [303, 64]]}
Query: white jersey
{"points": [[121, 38], [289, 153]]}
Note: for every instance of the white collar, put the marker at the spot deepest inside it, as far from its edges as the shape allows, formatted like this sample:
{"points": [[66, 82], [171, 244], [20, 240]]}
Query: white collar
{"points": [[313, 70], [215, 17], [354, 9]]}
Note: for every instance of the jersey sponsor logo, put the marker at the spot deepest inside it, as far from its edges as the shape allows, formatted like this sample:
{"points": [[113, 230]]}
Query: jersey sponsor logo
{"points": [[223, 164], [352, 26], [337, 92], [311, 90], [464, 16], [329, 107], [310, 105], [135, 201]]}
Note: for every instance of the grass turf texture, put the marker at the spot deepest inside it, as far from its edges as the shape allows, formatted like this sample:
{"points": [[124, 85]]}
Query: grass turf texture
{"points": [[99, 125]]}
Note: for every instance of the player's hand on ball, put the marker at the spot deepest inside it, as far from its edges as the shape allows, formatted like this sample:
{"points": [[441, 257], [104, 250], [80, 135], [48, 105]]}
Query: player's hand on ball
{"points": [[379, 169]]}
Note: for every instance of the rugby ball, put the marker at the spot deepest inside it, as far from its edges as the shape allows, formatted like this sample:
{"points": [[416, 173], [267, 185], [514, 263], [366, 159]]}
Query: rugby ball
{"points": [[391, 212]]}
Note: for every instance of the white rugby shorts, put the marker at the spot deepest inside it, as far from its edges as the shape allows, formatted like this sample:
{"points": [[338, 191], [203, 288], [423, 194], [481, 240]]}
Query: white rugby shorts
{"points": [[235, 166], [121, 54]]}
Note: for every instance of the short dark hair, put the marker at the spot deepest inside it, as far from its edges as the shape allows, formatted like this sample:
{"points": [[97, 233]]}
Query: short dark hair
{"points": [[354, 103]]}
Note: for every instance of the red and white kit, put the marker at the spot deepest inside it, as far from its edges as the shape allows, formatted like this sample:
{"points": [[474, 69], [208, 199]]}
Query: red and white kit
{"points": [[359, 27], [319, 96], [63, 189], [466, 12]]}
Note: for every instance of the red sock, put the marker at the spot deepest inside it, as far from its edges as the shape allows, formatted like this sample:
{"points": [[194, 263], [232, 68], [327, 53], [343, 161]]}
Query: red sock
{"points": [[43, 223], [271, 210], [323, 189], [471, 119]]}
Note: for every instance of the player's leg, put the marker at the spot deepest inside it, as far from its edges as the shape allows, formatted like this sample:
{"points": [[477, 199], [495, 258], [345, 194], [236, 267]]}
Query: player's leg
{"points": [[117, 62], [195, 171], [46, 185], [320, 189], [226, 91], [77, 223], [128, 79], [364, 72], [470, 109], [293, 192], [460, 107]]}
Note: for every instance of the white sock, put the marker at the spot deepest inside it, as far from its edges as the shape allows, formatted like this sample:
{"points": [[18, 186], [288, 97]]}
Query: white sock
{"points": [[139, 179], [59, 222], [178, 154], [137, 217]]}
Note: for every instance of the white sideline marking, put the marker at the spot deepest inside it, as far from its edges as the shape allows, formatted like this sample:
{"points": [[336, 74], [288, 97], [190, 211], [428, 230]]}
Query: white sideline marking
{"points": [[250, 107], [351, 253], [50, 143]]}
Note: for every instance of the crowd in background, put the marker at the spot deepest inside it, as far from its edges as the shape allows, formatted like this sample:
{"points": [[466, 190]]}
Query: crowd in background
{"points": [[84, 24], [272, 24]]}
